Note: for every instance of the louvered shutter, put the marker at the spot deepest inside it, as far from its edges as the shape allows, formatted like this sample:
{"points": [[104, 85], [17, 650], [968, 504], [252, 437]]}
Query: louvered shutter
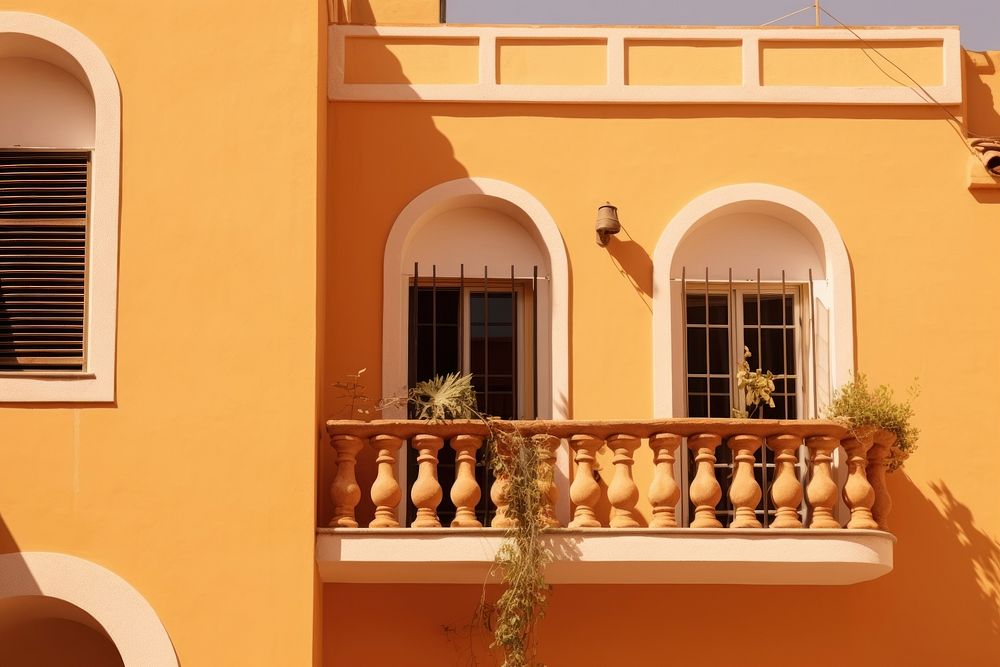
{"points": [[43, 254]]}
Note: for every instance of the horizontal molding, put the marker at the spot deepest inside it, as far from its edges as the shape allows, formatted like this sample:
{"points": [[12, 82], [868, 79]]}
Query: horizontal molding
{"points": [[611, 556], [616, 89]]}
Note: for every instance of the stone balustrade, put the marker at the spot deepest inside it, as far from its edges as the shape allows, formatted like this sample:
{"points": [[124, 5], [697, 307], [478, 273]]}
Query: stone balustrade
{"points": [[811, 445]]}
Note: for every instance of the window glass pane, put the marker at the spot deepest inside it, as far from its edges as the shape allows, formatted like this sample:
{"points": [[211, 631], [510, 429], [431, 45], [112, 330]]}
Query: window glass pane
{"points": [[721, 406], [695, 309], [720, 385], [697, 385], [772, 344], [718, 309], [790, 351], [770, 309], [697, 405], [696, 346], [718, 340]]}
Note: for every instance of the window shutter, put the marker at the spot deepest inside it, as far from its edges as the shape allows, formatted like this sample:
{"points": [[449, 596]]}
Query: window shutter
{"points": [[822, 352], [43, 254]]}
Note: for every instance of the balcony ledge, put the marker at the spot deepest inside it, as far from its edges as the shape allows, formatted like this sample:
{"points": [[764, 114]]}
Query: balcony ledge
{"points": [[611, 556]]}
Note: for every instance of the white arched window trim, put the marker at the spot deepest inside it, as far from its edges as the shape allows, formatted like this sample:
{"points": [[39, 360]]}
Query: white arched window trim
{"points": [[433, 202], [395, 282], [837, 291], [121, 611], [97, 382]]}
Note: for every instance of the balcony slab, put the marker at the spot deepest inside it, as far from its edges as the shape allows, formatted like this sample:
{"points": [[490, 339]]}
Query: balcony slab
{"points": [[611, 556]]}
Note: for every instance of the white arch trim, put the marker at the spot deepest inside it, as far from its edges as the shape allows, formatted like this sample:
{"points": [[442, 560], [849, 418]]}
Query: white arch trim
{"points": [[97, 383], [433, 202], [838, 297], [130, 621]]}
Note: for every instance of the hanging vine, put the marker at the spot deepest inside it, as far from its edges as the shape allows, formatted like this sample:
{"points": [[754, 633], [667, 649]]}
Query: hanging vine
{"points": [[523, 555]]}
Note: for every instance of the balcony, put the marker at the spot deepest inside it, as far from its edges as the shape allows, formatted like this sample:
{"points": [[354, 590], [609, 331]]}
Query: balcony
{"points": [[827, 526]]}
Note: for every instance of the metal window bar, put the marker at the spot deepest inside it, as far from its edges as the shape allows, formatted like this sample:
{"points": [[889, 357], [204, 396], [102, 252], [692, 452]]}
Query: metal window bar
{"points": [[434, 321], [534, 343], [486, 340]]}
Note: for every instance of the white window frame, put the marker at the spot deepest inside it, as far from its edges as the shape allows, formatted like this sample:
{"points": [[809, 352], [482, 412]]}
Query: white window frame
{"points": [[96, 383]]}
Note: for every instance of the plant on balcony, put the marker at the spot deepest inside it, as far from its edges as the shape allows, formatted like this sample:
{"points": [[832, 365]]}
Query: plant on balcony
{"points": [[860, 406], [757, 387], [523, 555]]}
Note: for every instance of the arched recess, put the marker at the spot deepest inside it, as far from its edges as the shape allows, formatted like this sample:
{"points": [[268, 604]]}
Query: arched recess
{"points": [[120, 610], [431, 209], [481, 221], [752, 225], [70, 100]]}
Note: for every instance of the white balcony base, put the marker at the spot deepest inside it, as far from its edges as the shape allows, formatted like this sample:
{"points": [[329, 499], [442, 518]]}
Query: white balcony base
{"points": [[611, 556]]}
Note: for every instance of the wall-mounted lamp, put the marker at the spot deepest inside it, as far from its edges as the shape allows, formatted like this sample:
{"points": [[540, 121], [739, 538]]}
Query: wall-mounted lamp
{"points": [[607, 223]]}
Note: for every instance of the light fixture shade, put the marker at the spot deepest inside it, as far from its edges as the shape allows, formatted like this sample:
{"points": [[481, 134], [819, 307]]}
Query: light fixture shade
{"points": [[607, 223]]}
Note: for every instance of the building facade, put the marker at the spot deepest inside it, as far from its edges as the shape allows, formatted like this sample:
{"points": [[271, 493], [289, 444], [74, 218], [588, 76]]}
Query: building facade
{"points": [[231, 236]]}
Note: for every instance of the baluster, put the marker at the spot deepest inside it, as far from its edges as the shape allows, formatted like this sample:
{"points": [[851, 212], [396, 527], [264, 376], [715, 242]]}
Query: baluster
{"points": [[465, 491], [877, 462], [822, 490], [744, 492], [386, 493], [858, 492], [585, 492], [663, 490], [344, 491], [498, 494], [426, 492], [705, 491], [786, 489], [623, 494], [547, 480]]}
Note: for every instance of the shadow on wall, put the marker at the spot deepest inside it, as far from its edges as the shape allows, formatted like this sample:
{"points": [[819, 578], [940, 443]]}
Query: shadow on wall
{"points": [[356, 259], [367, 190], [983, 91]]}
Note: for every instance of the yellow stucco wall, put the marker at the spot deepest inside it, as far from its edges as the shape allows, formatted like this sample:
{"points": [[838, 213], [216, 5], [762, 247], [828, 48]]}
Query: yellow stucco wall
{"points": [[677, 63], [848, 64], [400, 12], [922, 248], [197, 484], [551, 61], [395, 60]]}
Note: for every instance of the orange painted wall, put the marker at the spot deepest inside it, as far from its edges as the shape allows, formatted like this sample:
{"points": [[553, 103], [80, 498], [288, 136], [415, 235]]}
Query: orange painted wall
{"points": [[198, 485], [56, 642], [923, 251]]}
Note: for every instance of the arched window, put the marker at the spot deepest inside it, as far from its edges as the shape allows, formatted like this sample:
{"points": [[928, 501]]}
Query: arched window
{"points": [[754, 268], [475, 281], [59, 173]]}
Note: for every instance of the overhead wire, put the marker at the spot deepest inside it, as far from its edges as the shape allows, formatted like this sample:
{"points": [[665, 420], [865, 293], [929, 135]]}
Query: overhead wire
{"points": [[960, 127]]}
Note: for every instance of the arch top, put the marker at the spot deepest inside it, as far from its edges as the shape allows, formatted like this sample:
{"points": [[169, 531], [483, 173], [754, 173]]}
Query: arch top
{"points": [[23, 34], [502, 196], [522, 207], [787, 205], [120, 610]]}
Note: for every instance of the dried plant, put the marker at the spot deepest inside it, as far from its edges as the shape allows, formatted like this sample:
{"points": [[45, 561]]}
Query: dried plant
{"points": [[448, 397], [858, 405], [757, 387], [353, 392], [523, 556]]}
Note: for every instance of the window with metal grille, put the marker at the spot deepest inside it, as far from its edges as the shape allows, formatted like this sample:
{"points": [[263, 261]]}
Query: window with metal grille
{"points": [[43, 255], [485, 326], [721, 318]]}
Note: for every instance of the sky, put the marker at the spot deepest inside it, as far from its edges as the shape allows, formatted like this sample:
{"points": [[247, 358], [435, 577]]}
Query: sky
{"points": [[979, 19]]}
